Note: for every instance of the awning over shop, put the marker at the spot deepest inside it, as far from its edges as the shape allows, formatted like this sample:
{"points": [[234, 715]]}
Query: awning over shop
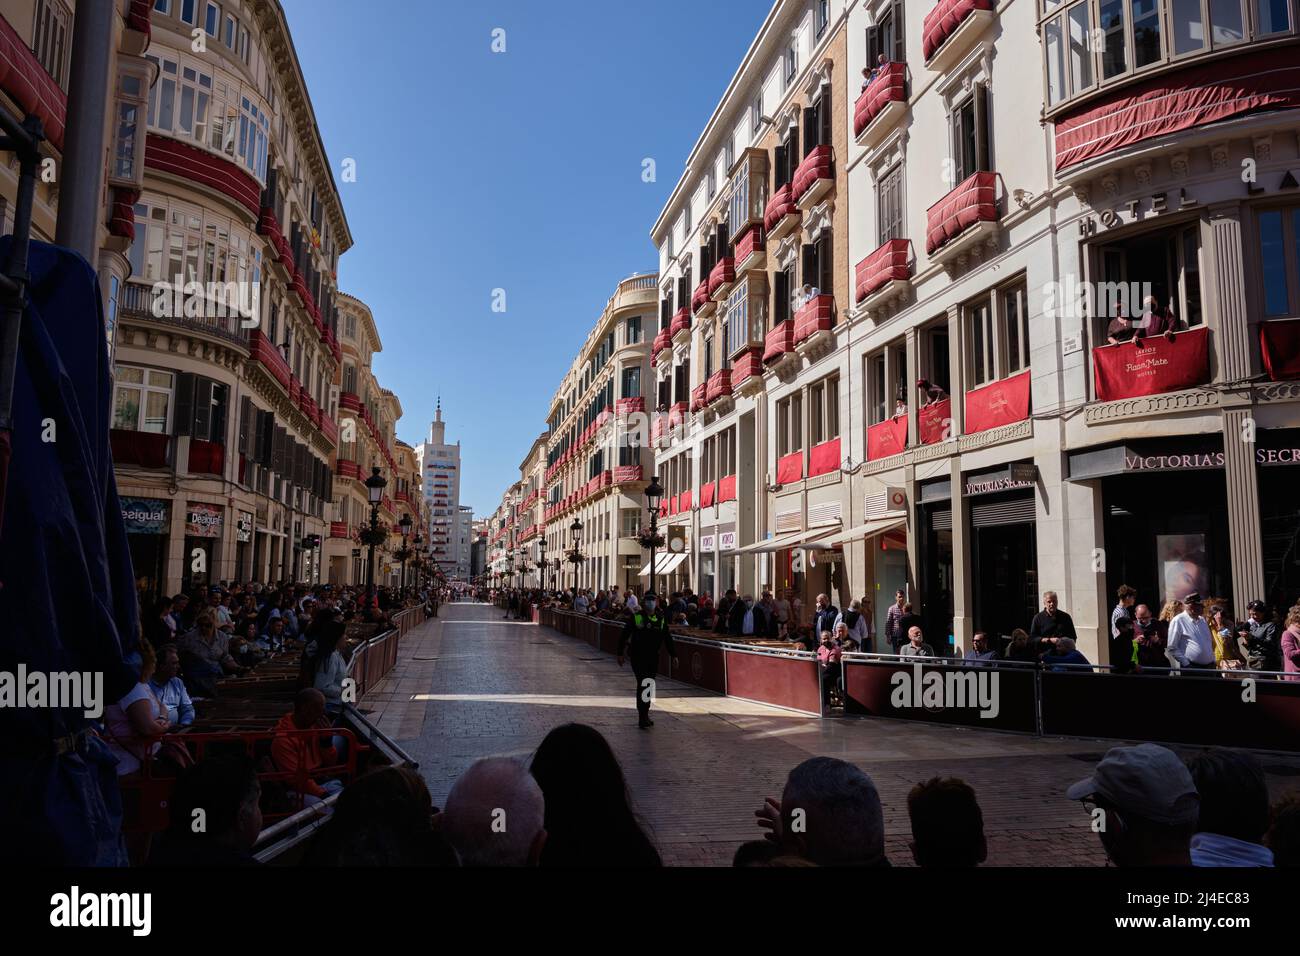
{"points": [[665, 563], [876, 526], [796, 539]]}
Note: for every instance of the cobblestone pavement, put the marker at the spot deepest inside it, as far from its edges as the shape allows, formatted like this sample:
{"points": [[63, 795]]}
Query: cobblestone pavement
{"points": [[470, 684]]}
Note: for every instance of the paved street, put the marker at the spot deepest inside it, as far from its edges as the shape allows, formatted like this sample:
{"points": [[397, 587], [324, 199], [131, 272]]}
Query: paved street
{"points": [[470, 684]]}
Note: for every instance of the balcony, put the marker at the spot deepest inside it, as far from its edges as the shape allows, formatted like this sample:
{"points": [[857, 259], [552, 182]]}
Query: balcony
{"points": [[781, 214], [350, 401], [142, 449], [329, 429], [1279, 348], [881, 105], [1155, 367], [346, 468], [887, 438], [269, 357], [747, 372], [662, 342], [999, 403], [964, 220], [813, 179], [751, 251], [207, 457], [719, 386], [779, 343], [934, 422], [721, 278], [339, 529], [680, 330], [951, 28], [626, 474], [216, 320], [823, 459], [884, 275], [812, 325], [699, 396], [624, 407], [789, 468], [701, 304]]}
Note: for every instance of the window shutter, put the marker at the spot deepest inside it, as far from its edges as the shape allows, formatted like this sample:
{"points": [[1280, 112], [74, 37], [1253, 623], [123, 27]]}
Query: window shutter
{"points": [[202, 412], [183, 420], [220, 410], [899, 53], [244, 443], [982, 132], [827, 283], [809, 265], [873, 46], [277, 449], [811, 123], [824, 110], [781, 297], [778, 168]]}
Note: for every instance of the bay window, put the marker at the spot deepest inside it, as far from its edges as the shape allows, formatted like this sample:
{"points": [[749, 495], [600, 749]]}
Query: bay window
{"points": [[142, 399], [789, 425], [1109, 40], [997, 335], [128, 144], [824, 410]]}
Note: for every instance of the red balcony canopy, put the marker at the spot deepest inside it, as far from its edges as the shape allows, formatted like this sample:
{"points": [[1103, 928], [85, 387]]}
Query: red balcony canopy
{"points": [[889, 263], [889, 85], [944, 19], [974, 200]]}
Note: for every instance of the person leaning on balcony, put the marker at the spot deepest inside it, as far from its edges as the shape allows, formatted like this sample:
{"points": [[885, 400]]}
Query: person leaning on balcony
{"points": [[930, 394], [867, 76], [1155, 320]]}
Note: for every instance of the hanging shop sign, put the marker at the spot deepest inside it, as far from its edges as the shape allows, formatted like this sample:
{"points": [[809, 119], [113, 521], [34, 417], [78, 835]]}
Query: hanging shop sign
{"points": [[707, 542], [244, 527], [144, 515], [203, 521], [727, 541]]}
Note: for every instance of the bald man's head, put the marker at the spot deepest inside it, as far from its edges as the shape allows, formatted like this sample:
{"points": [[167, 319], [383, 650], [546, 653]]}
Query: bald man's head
{"points": [[495, 815]]}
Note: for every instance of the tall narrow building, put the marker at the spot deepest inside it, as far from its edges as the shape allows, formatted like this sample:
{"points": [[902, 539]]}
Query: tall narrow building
{"points": [[440, 475]]}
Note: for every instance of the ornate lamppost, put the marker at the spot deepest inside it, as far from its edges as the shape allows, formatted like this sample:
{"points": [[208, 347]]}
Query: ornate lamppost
{"points": [[405, 552], [575, 555], [375, 485], [653, 493]]}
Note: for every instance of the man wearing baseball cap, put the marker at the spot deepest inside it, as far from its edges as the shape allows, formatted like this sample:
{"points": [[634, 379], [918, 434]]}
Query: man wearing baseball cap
{"points": [[1144, 806], [1190, 642]]}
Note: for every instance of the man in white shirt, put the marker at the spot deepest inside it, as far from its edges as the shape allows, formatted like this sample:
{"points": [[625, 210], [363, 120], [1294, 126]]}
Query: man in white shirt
{"points": [[1190, 641], [580, 602]]}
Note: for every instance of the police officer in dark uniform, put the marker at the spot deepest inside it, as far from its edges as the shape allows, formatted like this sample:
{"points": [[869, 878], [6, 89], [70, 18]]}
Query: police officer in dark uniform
{"points": [[646, 629]]}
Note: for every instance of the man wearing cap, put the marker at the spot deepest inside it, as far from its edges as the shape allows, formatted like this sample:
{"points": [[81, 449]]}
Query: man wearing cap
{"points": [[1190, 642], [646, 629], [1262, 648], [1144, 806]]}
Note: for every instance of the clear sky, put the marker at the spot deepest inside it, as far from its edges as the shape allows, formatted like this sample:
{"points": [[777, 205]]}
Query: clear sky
{"points": [[519, 171]]}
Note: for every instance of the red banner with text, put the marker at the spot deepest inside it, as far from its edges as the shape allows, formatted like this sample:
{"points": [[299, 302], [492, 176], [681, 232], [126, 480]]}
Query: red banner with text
{"points": [[935, 422], [887, 438], [1000, 403], [1152, 368]]}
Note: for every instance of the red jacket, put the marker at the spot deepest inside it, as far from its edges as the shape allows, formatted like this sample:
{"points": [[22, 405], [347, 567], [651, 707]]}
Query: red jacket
{"points": [[298, 753]]}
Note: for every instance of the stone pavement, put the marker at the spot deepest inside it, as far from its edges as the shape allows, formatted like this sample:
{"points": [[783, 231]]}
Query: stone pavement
{"points": [[469, 684]]}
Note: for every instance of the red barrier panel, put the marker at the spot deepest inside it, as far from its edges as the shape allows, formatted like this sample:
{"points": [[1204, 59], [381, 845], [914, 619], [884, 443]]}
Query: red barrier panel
{"points": [[699, 664], [789, 682], [607, 639], [1133, 707], [872, 689]]}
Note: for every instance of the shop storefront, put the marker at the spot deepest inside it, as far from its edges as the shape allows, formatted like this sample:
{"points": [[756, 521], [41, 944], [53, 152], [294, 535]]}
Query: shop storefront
{"points": [[147, 521], [1004, 549], [935, 559], [243, 545], [203, 524], [717, 560], [1277, 462], [1165, 517]]}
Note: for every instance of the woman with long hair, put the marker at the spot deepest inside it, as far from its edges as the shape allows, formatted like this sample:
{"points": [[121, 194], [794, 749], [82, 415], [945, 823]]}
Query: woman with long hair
{"points": [[1291, 645], [384, 818], [589, 817], [328, 668]]}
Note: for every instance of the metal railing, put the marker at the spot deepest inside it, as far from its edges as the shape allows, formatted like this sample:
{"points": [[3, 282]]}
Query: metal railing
{"points": [[136, 300]]}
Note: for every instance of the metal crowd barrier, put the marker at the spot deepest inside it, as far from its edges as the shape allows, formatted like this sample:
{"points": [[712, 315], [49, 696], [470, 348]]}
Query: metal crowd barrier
{"points": [[1168, 705]]}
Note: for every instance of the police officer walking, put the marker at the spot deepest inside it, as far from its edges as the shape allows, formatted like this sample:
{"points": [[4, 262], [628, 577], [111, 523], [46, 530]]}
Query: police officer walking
{"points": [[646, 630]]}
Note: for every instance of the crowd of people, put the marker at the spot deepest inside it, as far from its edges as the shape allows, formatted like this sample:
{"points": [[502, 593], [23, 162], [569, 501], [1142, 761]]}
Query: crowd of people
{"points": [[1191, 634], [569, 806]]}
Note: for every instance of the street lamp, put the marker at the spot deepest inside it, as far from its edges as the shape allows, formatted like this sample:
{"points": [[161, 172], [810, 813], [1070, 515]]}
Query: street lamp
{"points": [[405, 525], [375, 485], [652, 495], [419, 562], [576, 555], [541, 563]]}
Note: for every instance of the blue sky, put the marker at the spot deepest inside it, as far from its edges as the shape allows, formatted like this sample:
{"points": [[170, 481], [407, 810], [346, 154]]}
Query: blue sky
{"points": [[518, 170]]}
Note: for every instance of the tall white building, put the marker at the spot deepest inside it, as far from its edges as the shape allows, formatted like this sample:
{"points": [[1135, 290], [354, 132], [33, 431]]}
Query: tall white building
{"points": [[448, 530]]}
